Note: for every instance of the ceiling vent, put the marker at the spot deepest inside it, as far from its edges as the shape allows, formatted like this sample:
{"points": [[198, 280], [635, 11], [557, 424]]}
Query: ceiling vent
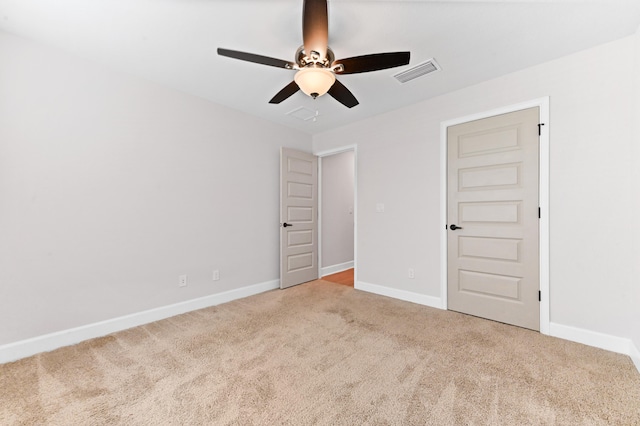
{"points": [[418, 71], [304, 114]]}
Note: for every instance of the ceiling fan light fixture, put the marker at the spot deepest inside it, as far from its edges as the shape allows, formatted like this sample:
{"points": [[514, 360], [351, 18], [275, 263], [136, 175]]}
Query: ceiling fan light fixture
{"points": [[314, 81]]}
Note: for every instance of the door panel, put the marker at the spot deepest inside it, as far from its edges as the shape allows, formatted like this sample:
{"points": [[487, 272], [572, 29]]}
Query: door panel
{"points": [[493, 260], [502, 249], [299, 238], [489, 284], [299, 210], [490, 212], [490, 177]]}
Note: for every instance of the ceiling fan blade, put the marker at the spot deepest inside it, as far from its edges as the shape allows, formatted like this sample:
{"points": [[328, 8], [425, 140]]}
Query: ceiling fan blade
{"points": [[258, 59], [315, 27], [374, 62], [288, 90], [341, 94]]}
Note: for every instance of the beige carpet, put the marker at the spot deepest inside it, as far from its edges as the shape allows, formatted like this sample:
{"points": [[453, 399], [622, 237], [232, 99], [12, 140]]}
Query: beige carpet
{"points": [[327, 354]]}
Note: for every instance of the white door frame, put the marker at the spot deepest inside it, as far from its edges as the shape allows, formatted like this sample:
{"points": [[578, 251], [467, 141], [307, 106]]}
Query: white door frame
{"points": [[328, 153], [543, 231]]}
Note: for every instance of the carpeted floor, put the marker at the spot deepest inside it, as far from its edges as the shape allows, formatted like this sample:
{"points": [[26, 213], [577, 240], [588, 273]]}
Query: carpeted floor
{"points": [[327, 354]]}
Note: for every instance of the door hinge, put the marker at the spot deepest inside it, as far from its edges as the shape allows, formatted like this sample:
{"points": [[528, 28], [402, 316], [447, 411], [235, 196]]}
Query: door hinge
{"points": [[539, 296], [540, 129], [539, 213]]}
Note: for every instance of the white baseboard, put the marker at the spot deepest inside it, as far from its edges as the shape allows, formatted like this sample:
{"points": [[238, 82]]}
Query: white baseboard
{"points": [[49, 342], [334, 269], [591, 338], [617, 344], [634, 353], [408, 296], [587, 337]]}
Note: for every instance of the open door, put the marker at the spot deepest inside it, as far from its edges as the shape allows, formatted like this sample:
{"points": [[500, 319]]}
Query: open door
{"points": [[298, 217]]}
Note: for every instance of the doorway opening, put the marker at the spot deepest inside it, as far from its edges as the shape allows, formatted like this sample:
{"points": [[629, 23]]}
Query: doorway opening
{"points": [[337, 215]]}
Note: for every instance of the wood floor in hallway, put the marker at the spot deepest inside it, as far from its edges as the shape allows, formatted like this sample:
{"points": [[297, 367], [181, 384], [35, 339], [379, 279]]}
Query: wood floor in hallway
{"points": [[344, 277]]}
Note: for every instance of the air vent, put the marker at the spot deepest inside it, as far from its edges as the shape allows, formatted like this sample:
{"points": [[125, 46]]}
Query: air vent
{"points": [[418, 71], [303, 114]]}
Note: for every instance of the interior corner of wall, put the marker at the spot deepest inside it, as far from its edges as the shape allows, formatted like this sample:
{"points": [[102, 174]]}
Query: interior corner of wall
{"points": [[634, 353]]}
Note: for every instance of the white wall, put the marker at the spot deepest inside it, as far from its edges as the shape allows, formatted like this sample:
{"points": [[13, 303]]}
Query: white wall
{"points": [[591, 128], [111, 187], [337, 208], [635, 224]]}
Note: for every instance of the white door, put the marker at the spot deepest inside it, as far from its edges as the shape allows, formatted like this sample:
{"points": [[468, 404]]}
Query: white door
{"points": [[298, 217], [493, 258]]}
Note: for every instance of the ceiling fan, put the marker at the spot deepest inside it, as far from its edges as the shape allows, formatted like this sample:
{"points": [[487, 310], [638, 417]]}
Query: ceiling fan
{"points": [[315, 62]]}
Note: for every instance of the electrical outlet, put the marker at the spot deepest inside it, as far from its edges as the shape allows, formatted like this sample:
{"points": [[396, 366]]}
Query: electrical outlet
{"points": [[216, 275], [182, 281], [412, 273]]}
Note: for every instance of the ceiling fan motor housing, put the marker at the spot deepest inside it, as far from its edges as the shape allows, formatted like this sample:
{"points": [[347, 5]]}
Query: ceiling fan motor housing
{"points": [[304, 60]]}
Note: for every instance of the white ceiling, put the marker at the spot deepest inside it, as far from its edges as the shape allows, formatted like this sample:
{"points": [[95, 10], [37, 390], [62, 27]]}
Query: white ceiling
{"points": [[173, 42]]}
